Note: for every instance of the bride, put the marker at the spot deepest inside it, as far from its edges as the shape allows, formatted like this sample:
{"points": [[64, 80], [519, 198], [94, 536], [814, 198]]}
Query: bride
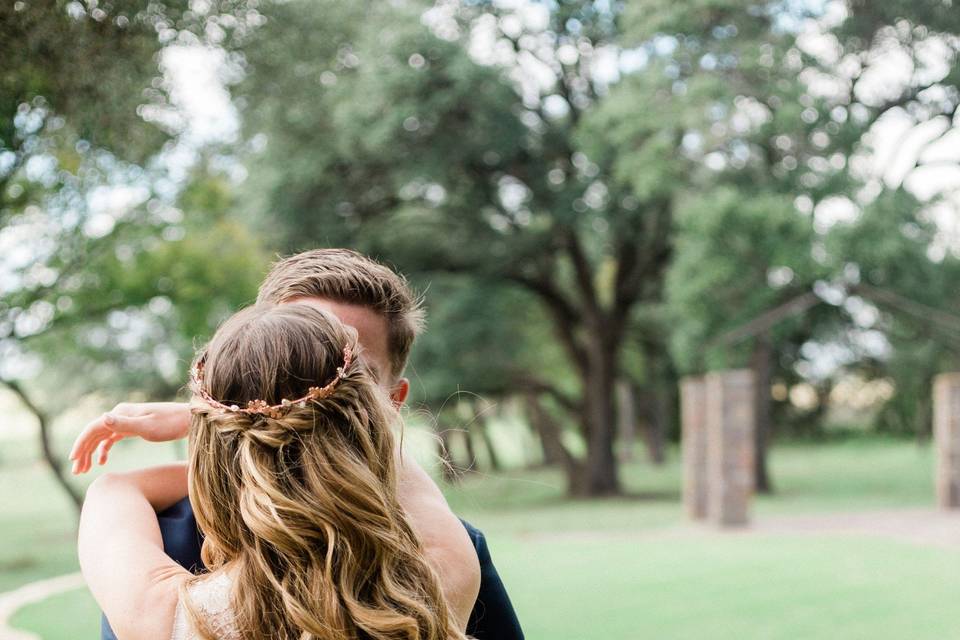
{"points": [[292, 476]]}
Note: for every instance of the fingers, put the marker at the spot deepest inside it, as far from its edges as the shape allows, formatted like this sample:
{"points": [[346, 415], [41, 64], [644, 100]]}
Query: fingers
{"points": [[103, 433], [84, 461], [84, 436], [107, 445], [81, 459], [91, 435], [89, 439]]}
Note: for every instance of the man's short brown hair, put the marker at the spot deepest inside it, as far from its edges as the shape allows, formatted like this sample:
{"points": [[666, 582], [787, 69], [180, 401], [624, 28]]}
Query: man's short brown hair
{"points": [[349, 277]]}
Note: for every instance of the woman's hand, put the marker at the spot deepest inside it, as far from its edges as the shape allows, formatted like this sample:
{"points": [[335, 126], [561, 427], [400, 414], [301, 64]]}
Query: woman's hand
{"points": [[152, 421]]}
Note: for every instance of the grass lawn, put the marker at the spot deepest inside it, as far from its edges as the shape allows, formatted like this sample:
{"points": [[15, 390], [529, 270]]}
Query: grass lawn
{"points": [[624, 568]]}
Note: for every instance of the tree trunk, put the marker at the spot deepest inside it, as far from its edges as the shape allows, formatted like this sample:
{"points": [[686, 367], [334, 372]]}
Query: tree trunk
{"points": [[762, 370], [655, 420], [467, 417], [658, 398], [449, 470], [664, 411], [659, 423], [626, 419], [480, 426], [547, 432], [46, 448], [551, 442], [468, 435], [592, 340], [924, 419], [599, 475]]}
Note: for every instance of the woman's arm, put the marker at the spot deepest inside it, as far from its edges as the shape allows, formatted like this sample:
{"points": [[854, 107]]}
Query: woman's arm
{"points": [[121, 551]]}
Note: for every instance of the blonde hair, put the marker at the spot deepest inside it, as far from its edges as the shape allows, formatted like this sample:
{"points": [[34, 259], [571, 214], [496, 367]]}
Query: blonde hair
{"points": [[346, 276], [304, 505]]}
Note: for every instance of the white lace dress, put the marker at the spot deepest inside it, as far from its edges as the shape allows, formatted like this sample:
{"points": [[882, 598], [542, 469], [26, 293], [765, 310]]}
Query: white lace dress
{"points": [[211, 597]]}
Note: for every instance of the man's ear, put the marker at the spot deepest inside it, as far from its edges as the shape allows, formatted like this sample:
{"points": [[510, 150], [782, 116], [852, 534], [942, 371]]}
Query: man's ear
{"points": [[399, 392]]}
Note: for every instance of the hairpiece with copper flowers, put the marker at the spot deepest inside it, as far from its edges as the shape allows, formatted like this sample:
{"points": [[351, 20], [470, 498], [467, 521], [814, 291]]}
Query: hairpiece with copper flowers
{"points": [[260, 407]]}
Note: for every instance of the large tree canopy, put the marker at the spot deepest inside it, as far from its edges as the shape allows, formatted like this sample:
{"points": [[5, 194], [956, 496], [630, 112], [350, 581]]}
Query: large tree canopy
{"points": [[505, 144]]}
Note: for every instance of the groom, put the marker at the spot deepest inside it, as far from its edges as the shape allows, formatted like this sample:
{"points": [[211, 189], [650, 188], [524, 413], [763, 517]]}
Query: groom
{"points": [[378, 303]]}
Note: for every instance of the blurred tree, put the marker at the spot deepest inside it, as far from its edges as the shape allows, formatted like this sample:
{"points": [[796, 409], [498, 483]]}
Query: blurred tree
{"points": [[84, 76], [470, 357], [800, 148], [83, 112], [906, 299], [894, 254], [738, 256], [505, 143], [125, 308], [540, 161]]}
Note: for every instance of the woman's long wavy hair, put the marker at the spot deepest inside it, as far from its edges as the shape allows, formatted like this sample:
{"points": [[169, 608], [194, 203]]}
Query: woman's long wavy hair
{"points": [[304, 506]]}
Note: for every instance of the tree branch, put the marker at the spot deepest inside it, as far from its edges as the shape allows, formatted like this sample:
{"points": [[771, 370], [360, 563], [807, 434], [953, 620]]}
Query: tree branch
{"points": [[534, 385], [765, 321], [582, 270], [637, 261], [565, 315], [54, 461]]}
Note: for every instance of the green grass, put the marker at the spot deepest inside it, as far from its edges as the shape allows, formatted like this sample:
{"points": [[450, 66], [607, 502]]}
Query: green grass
{"points": [[729, 586], [625, 568], [72, 614], [38, 536]]}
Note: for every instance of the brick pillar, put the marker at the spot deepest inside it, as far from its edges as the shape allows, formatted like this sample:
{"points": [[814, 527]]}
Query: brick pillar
{"points": [[693, 439], [730, 446], [946, 433]]}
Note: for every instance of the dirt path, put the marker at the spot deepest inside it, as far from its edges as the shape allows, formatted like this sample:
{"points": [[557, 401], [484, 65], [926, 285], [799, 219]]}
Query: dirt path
{"points": [[11, 601], [923, 527]]}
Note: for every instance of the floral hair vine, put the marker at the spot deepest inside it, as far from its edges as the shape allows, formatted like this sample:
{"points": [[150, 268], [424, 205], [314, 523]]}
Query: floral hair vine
{"points": [[260, 407]]}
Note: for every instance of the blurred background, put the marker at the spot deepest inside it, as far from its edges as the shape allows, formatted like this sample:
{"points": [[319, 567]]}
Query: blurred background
{"points": [[597, 198]]}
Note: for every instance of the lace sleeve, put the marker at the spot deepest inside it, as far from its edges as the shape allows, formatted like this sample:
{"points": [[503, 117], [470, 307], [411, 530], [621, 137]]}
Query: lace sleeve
{"points": [[211, 597]]}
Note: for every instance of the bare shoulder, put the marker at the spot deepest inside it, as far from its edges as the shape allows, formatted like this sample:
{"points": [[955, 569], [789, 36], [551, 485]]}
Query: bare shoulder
{"points": [[445, 540]]}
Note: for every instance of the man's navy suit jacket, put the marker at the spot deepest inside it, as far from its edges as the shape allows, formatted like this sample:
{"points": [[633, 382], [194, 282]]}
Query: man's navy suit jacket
{"points": [[492, 618]]}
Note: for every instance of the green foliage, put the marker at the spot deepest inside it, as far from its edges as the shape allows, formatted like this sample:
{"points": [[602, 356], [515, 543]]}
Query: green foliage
{"points": [[102, 279], [385, 136], [392, 119], [730, 245], [79, 73], [82, 77], [471, 348], [888, 248], [695, 19], [889, 242], [928, 16]]}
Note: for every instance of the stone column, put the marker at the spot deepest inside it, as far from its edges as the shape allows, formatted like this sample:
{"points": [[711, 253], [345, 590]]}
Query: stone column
{"points": [[946, 433], [693, 440], [730, 446]]}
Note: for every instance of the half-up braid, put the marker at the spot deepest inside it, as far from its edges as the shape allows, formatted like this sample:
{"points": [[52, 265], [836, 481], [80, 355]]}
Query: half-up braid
{"points": [[303, 505]]}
